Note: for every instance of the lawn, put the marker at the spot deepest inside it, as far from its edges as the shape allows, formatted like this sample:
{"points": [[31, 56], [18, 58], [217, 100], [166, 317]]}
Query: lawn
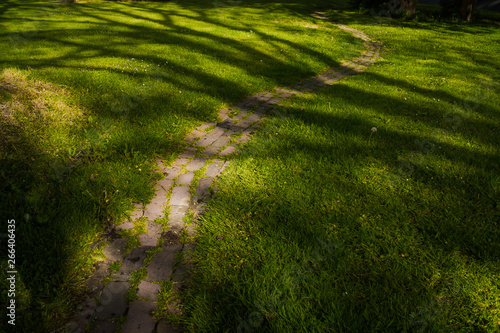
{"points": [[91, 94], [369, 206]]}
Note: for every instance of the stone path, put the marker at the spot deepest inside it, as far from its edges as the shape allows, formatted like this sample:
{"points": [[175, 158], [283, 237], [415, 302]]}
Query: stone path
{"points": [[182, 193]]}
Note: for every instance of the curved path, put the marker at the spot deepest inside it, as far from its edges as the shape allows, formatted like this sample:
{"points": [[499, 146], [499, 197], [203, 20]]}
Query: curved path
{"points": [[187, 184]]}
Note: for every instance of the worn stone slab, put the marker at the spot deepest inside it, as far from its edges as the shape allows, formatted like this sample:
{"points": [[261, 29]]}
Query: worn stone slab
{"points": [[164, 327], [155, 209], [210, 137], [196, 164], [185, 179], [240, 116], [125, 226], [180, 196], [85, 311], [191, 137], [221, 142], [275, 100], [114, 251], [140, 317], [181, 161], [113, 301], [228, 151], [96, 281], [133, 261], [226, 124], [162, 265], [147, 240], [153, 234], [251, 102], [205, 126], [148, 290], [138, 212], [213, 169], [175, 220], [210, 151], [153, 228], [202, 190], [223, 116], [187, 154], [172, 172], [105, 327], [171, 237], [254, 117], [166, 184]]}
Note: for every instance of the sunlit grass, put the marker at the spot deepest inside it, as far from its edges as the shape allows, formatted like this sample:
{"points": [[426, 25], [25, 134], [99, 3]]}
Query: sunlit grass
{"points": [[124, 82], [322, 224]]}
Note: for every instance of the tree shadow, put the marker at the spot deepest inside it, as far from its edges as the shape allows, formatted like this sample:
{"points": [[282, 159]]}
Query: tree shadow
{"points": [[71, 198]]}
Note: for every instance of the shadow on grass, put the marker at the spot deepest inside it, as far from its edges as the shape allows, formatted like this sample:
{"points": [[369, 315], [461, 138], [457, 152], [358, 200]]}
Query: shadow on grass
{"points": [[60, 204]]}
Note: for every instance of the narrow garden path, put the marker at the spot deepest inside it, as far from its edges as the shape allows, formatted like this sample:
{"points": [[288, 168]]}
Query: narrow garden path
{"points": [[183, 191]]}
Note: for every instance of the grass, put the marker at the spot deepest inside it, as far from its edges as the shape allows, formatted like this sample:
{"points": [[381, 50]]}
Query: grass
{"points": [[92, 93], [323, 225]]}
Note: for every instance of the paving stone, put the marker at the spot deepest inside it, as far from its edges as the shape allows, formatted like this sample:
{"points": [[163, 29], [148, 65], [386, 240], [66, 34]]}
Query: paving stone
{"points": [[226, 124], [180, 196], [114, 251], [210, 137], [135, 215], [205, 126], [252, 101], [172, 172], [148, 290], [140, 317], [210, 151], [262, 109], [96, 282], [125, 226], [113, 300], [229, 150], [181, 161], [133, 261], [185, 179], [203, 186], [240, 116], [85, 311], [191, 137], [187, 154], [153, 228], [147, 240], [166, 184], [196, 164], [223, 117], [245, 136], [154, 210], [175, 219], [254, 117], [105, 327], [171, 237], [221, 142], [213, 169], [162, 265], [164, 327]]}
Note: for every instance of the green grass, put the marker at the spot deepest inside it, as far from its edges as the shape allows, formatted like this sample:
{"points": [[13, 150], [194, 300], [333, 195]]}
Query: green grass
{"points": [[92, 93], [328, 226]]}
